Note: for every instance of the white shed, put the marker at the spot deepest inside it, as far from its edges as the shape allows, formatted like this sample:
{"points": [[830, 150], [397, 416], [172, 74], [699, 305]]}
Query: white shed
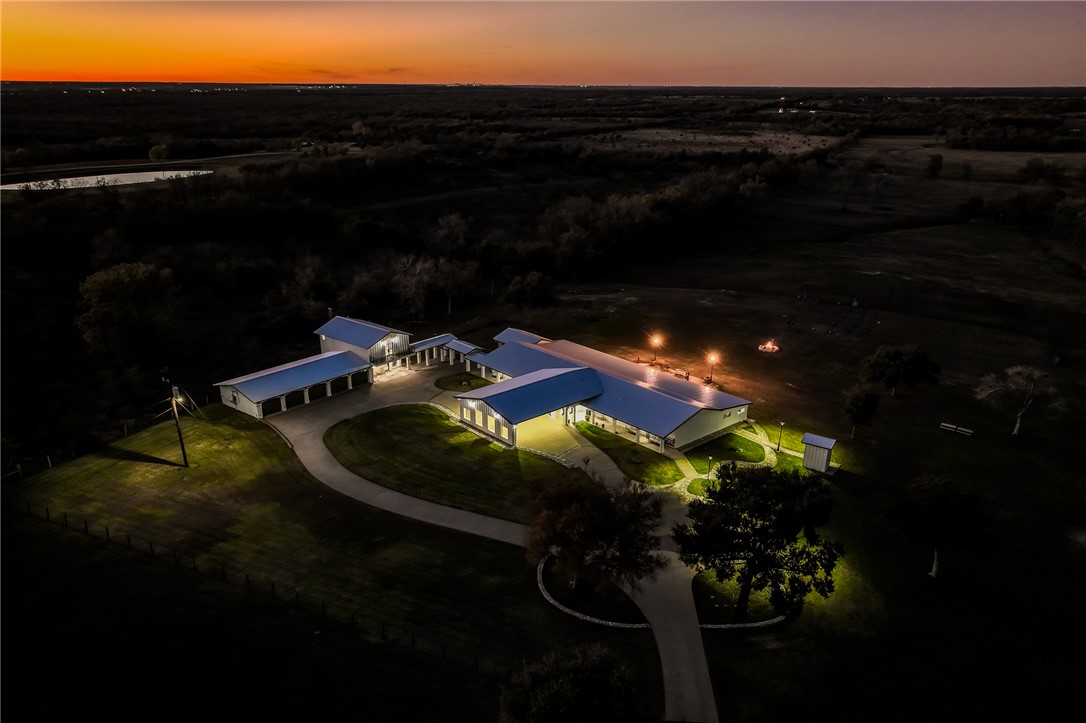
{"points": [[817, 452]]}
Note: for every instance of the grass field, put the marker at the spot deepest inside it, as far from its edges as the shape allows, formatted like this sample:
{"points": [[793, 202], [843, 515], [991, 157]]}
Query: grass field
{"points": [[633, 460], [246, 507], [729, 447], [418, 450]]}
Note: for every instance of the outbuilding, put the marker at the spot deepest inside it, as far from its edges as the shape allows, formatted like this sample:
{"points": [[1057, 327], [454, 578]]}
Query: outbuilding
{"points": [[817, 452], [300, 382], [373, 343]]}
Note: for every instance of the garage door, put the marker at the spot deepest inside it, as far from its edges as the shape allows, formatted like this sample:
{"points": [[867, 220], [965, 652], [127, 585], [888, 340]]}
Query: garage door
{"points": [[339, 385], [295, 398], [270, 406], [317, 391]]}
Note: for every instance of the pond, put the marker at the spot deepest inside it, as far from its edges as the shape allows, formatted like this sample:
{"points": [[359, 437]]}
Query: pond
{"points": [[109, 179]]}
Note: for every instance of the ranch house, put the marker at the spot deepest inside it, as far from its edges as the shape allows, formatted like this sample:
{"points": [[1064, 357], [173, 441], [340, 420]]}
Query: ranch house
{"points": [[541, 381]]}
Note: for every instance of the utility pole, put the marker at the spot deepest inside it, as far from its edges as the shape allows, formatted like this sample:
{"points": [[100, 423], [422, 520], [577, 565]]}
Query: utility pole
{"points": [[175, 394]]}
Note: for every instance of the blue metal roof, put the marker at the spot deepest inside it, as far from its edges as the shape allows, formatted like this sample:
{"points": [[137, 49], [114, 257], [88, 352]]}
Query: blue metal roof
{"points": [[701, 395], [363, 334], [285, 378], [816, 441], [510, 335], [517, 358], [464, 347], [538, 392], [440, 340]]}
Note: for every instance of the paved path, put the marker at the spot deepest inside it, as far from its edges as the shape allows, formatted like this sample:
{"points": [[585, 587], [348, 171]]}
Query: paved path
{"points": [[666, 602]]}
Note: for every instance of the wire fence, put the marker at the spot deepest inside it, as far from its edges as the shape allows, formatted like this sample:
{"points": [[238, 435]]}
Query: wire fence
{"points": [[362, 625]]}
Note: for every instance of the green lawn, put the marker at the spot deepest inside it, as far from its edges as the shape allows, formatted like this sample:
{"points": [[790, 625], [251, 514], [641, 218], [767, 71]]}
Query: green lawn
{"points": [[729, 447], [247, 507], [635, 461], [609, 603], [418, 450], [462, 382], [715, 601]]}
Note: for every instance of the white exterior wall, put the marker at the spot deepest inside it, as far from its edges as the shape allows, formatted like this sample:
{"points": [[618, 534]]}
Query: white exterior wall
{"points": [[707, 422], [392, 345], [242, 403], [478, 415], [329, 344], [816, 458]]}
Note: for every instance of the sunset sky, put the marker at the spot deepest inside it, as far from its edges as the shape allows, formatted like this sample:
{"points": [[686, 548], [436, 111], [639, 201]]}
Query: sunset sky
{"points": [[666, 42]]}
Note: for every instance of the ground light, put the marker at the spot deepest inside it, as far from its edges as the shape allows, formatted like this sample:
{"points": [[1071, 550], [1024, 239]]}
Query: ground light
{"points": [[709, 474], [779, 437]]}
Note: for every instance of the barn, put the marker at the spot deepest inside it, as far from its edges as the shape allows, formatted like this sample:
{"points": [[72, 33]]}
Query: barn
{"points": [[300, 382], [371, 342]]}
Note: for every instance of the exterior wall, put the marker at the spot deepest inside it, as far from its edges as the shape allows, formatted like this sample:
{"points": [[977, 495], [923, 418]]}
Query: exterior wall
{"points": [[391, 347], [231, 397], [816, 458], [479, 416], [707, 422], [330, 344]]}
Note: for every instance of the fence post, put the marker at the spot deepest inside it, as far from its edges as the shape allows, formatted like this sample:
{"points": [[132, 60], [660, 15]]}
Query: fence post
{"points": [[193, 561], [382, 630], [129, 537], [85, 530], [273, 591], [65, 519], [174, 557], [297, 599], [248, 585], [107, 535], [151, 545], [223, 568], [49, 461]]}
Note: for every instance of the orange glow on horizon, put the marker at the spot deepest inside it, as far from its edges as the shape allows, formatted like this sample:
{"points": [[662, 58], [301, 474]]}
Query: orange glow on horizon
{"points": [[548, 43]]}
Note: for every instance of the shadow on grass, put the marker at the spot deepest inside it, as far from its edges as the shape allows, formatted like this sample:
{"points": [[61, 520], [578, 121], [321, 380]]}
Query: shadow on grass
{"points": [[131, 456]]}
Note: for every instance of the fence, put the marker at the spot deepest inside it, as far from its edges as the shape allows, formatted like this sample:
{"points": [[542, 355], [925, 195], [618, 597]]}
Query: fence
{"points": [[364, 626]]}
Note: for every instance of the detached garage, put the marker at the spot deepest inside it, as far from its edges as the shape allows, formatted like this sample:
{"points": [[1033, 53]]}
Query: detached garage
{"points": [[291, 385]]}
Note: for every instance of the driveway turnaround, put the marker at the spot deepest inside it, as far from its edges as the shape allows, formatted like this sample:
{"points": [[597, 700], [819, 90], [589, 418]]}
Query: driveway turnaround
{"points": [[666, 601]]}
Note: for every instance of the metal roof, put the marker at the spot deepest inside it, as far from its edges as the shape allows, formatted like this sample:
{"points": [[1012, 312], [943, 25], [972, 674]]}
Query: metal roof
{"points": [[510, 335], [538, 392], [702, 395], [464, 347], [517, 358], [363, 334], [285, 378], [816, 441], [433, 341]]}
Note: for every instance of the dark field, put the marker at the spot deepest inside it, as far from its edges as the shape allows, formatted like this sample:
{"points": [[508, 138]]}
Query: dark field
{"points": [[601, 216]]}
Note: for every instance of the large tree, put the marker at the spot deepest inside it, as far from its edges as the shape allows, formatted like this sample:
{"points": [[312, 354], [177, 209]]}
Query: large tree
{"points": [[454, 277], [896, 365], [129, 309], [758, 526], [938, 514], [860, 406], [586, 683], [1017, 388], [595, 533]]}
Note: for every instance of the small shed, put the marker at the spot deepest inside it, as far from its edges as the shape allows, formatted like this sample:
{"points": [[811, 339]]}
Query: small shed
{"points": [[817, 452]]}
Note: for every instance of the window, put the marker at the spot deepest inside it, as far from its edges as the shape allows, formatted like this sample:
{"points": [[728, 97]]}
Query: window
{"points": [[490, 424], [504, 431], [479, 417]]}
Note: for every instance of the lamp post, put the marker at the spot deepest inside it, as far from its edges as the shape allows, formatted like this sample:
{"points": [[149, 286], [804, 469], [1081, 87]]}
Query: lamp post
{"points": [[709, 474], [779, 437], [656, 341], [712, 363], [175, 395]]}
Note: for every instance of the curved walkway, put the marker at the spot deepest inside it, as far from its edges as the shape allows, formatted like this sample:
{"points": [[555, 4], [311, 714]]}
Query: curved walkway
{"points": [[666, 601]]}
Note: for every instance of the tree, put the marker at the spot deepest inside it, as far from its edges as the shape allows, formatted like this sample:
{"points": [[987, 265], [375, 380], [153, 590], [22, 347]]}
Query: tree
{"points": [[1017, 388], [412, 277], [159, 153], [935, 165], [585, 683], [894, 365], [595, 533], [758, 526], [938, 514], [129, 309], [452, 277], [860, 406]]}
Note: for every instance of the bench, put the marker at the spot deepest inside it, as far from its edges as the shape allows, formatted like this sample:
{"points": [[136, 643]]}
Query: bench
{"points": [[955, 428]]}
